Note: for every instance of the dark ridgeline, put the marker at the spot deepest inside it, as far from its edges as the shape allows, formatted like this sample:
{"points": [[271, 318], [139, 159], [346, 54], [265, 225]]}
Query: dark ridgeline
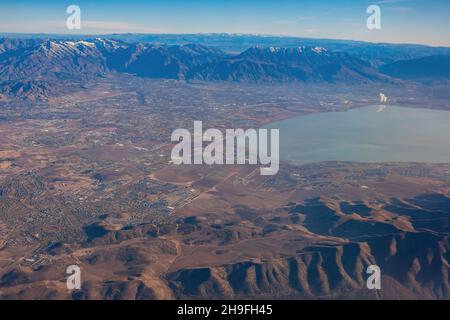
{"points": [[433, 67]]}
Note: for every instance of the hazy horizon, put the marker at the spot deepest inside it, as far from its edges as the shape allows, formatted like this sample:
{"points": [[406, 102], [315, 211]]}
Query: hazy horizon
{"points": [[403, 21], [106, 35]]}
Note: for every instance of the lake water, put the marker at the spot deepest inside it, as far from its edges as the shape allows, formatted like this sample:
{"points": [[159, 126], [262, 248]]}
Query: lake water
{"points": [[369, 134]]}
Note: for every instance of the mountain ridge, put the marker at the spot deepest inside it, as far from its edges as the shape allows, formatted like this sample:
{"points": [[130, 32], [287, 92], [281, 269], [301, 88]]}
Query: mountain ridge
{"points": [[46, 65]]}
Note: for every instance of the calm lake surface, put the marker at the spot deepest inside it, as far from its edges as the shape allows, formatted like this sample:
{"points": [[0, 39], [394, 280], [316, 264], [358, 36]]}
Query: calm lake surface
{"points": [[369, 134]]}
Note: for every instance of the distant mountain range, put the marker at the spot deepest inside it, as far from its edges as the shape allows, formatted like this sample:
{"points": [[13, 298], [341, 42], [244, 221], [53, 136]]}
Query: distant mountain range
{"points": [[38, 68], [305, 64], [377, 53]]}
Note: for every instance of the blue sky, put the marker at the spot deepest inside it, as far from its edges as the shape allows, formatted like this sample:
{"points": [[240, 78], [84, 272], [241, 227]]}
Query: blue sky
{"points": [[403, 21]]}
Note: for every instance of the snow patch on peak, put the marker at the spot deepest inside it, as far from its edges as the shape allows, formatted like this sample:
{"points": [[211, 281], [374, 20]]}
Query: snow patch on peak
{"points": [[319, 49], [274, 49], [86, 43]]}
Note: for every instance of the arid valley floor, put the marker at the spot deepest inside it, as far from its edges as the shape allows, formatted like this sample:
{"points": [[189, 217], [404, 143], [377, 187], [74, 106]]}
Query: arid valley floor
{"points": [[85, 179]]}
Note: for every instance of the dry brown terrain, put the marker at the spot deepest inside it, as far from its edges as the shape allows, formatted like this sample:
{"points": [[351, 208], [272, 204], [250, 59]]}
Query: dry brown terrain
{"points": [[86, 180]]}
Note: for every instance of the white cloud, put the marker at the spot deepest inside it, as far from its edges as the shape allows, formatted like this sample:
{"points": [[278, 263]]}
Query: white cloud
{"points": [[391, 1], [402, 9], [119, 27], [87, 27], [305, 18], [284, 22], [310, 31]]}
